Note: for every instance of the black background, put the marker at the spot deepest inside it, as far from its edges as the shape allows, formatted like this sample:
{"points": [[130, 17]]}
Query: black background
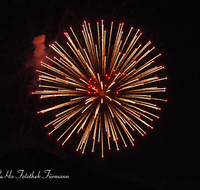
{"points": [[166, 158]]}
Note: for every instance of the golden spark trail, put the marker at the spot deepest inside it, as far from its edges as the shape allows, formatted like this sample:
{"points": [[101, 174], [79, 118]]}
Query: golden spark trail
{"points": [[104, 88]]}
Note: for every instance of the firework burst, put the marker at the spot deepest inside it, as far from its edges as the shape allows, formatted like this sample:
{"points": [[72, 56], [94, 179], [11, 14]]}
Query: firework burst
{"points": [[107, 87]]}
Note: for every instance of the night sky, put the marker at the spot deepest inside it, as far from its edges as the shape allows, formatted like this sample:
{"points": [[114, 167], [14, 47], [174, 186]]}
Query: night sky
{"points": [[166, 158]]}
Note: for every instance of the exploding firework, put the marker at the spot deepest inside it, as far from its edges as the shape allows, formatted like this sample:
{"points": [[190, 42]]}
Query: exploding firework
{"points": [[107, 87]]}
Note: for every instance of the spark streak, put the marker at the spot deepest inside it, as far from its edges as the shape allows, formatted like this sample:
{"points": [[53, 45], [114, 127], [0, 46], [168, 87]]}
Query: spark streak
{"points": [[106, 88]]}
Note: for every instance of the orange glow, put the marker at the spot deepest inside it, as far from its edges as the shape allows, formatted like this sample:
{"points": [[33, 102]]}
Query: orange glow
{"points": [[102, 93]]}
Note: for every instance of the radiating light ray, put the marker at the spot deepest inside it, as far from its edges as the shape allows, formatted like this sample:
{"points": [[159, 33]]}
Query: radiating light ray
{"points": [[106, 88]]}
